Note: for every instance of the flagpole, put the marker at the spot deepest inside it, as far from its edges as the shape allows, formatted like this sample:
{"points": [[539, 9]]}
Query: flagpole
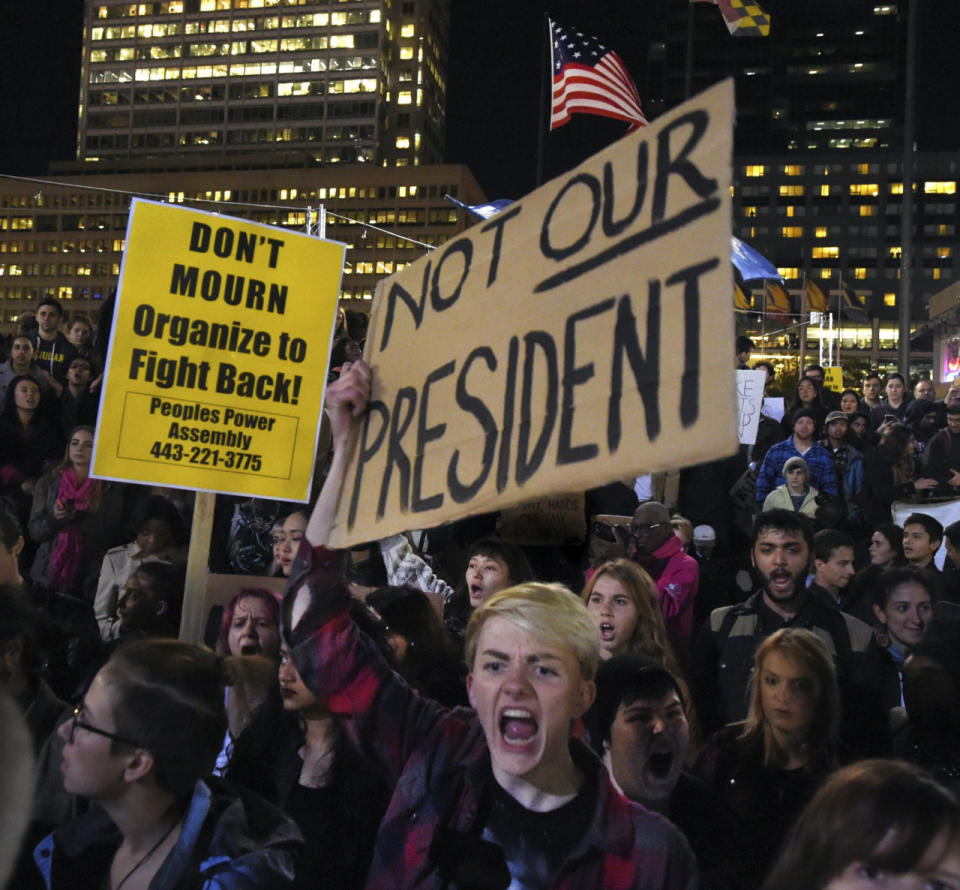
{"points": [[906, 218], [804, 313], [546, 76], [763, 316]]}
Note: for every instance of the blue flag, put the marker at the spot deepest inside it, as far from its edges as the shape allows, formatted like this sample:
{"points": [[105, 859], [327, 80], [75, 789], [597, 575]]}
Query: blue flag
{"points": [[484, 211], [750, 264]]}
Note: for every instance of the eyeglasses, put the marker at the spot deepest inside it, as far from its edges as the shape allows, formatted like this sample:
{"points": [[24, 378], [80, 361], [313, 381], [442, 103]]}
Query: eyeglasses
{"points": [[637, 530], [76, 723]]}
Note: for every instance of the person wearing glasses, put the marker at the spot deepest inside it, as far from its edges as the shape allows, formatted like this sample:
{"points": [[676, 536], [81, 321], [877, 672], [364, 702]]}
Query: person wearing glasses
{"points": [[140, 747], [651, 543]]}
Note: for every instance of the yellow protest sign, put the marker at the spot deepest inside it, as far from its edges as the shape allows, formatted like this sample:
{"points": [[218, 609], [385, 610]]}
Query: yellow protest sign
{"points": [[833, 378], [581, 335], [218, 354]]}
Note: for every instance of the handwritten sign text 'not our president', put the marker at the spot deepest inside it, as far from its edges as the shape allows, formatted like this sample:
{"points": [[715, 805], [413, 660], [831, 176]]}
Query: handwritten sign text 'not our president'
{"points": [[218, 355], [582, 335]]}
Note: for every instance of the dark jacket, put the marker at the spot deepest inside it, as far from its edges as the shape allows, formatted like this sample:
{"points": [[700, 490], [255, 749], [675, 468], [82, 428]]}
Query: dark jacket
{"points": [[229, 841], [723, 665]]}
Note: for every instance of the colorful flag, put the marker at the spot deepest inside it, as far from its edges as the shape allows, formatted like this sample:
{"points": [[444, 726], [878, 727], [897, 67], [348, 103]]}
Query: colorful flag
{"points": [[589, 79], [776, 301], [741, 299], [816, 299], [851, 306], [750, 263], [742, 18]]}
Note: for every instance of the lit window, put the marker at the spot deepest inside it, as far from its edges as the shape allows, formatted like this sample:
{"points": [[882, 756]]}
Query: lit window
{"points": [[791, 210], [793, 170], [403, 142], [896, 188], [863, 169], [826, 274], [791, 232], [940, 188], [405, 98], [820, 253], [788, 272], [407, 31], [750, 212], [867, 210], [824, 191], [791, 191], [944, 252], [895, 252], [889, 299], [865, 188], [406, 52], [755, 170], [860, 273], [820, 232]]}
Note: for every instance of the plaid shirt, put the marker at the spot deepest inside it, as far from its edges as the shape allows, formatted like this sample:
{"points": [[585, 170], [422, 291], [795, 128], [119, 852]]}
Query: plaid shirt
{"points": [[823, 477], [439, 764]]}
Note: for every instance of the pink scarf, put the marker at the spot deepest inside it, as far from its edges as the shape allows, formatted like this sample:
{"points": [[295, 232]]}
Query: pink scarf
{"points": [[68, 551]]}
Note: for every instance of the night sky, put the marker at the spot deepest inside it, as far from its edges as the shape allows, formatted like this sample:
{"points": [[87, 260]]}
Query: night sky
{"points": [[494, 84]]}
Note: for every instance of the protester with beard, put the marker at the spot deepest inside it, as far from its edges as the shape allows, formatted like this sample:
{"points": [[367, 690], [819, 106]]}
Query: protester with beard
{"points": [[724, 648]]}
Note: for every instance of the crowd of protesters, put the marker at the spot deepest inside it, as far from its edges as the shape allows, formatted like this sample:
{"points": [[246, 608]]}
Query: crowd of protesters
{"points": [[738, 653]]}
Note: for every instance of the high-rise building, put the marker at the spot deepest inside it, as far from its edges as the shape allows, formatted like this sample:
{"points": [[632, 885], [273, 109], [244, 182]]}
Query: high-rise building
{"points": [[829, 76], [343, 80]]}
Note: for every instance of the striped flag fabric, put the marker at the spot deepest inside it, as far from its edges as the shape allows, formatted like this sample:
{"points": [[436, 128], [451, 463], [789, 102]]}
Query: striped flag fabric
{"points": [[588, 78], [742, 17], [851, 305], [776, 301], [816, 299]]}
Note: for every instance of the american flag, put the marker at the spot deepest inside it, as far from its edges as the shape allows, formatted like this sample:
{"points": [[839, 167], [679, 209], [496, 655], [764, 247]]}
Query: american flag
{"points": [[589, 78]]}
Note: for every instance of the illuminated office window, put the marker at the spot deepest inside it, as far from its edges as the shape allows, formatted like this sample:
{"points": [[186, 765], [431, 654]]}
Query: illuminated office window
{"points": [[867, 209], [793, 170], [750, 212], [896, 188], [825, 252], [408, 30], [940, 188], [820, 232], [405, 98], [824, 191], [864, 188], [944, 253], [895, 252], [860, 273], [791, 232], [791, 191], [788, 272], [755, 170], [406, 52]]}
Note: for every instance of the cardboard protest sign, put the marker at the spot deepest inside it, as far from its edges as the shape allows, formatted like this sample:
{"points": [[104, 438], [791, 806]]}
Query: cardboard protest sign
{"points": [[750, 397], [579, 336], [218, 354], [557, 519]]}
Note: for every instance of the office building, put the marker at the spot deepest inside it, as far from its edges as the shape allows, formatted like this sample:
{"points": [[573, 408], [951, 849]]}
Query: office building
{"points": [[342, 80]]}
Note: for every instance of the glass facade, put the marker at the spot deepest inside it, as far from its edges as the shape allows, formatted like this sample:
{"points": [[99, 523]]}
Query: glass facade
{"points": [[346, 80]]}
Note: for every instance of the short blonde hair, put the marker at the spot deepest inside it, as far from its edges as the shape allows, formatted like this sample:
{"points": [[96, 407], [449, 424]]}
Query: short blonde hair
{"points": [[550, 612]]}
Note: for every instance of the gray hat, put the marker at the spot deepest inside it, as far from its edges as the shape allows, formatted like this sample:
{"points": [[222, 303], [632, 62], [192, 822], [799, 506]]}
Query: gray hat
{"points": [[794, 462], [836, 415]]}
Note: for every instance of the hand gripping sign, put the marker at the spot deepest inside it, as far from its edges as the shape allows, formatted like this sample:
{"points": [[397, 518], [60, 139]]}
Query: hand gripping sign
{"points": [[218, 355], [579, 336]]}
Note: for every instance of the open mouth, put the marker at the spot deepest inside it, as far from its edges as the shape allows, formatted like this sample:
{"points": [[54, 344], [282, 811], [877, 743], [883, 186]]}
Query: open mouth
{"points": [[476, 591], [250, 649], [607, 631], [781, 579], [518, 727], [659, 764]]}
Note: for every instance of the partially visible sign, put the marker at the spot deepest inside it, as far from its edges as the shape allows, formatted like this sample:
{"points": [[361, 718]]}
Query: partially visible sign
{"points": [[555, 519], [833, 378], [579, 336], [218, 354], [750, 386]]}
